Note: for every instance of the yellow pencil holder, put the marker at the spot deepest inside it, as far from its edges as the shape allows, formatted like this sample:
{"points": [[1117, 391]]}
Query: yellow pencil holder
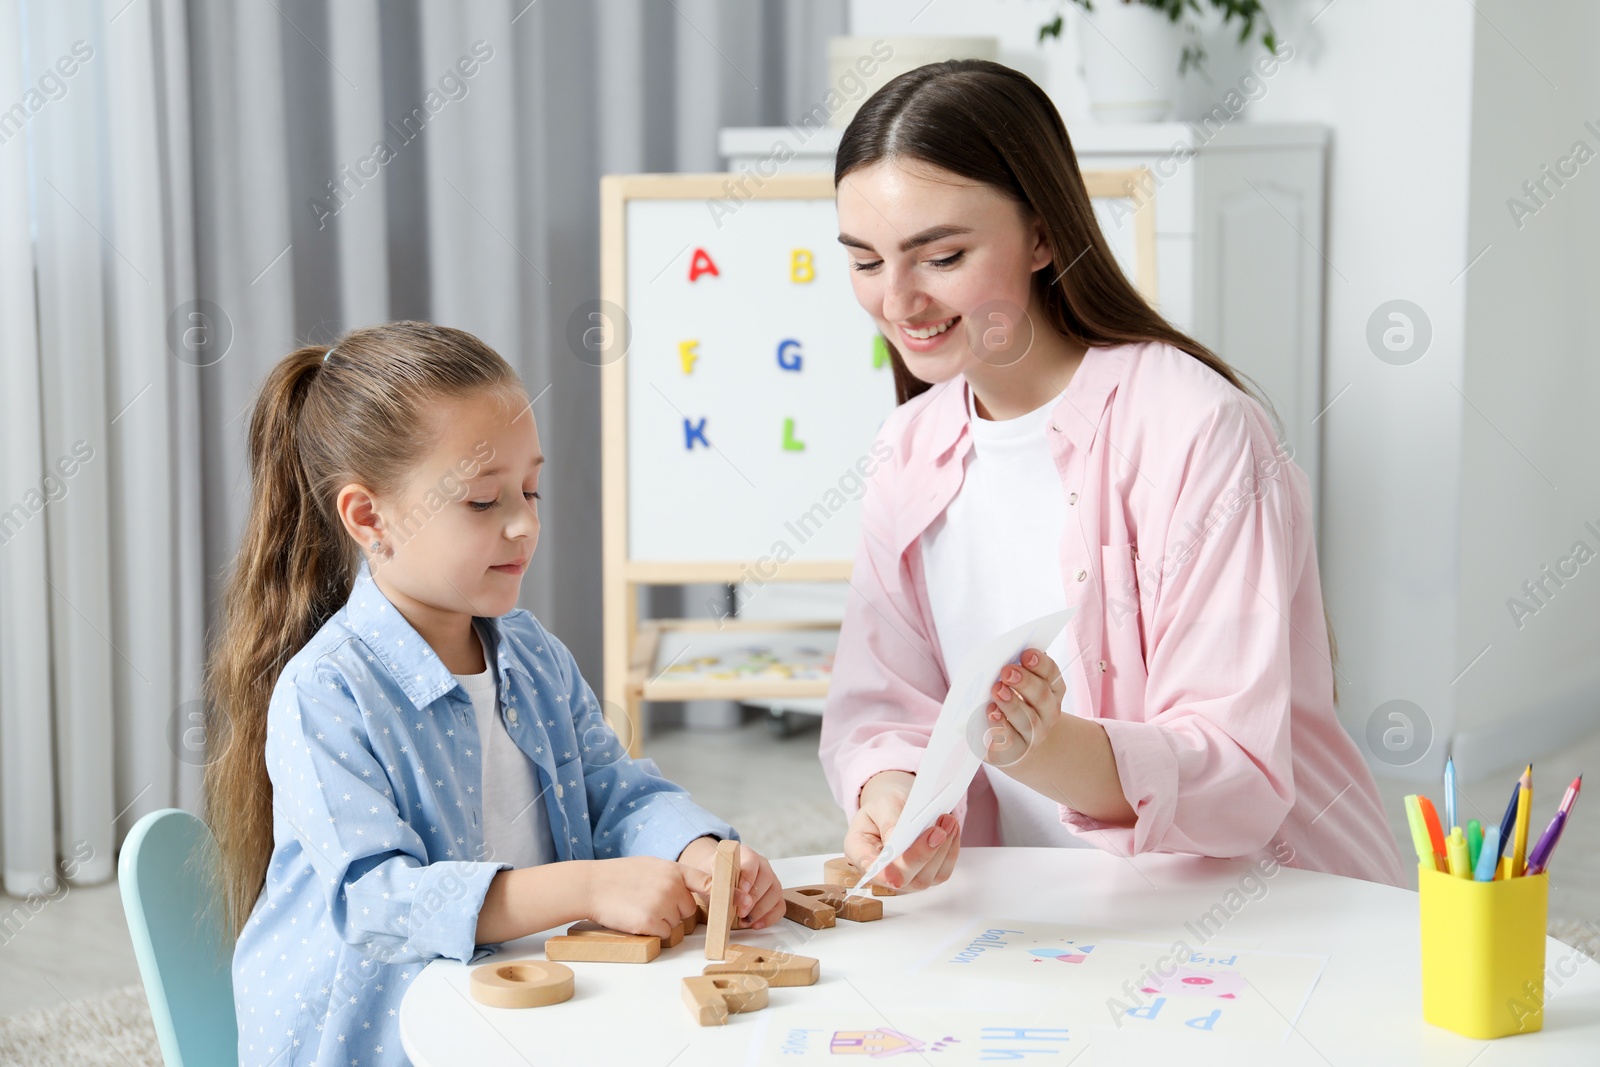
{"points": [[1483, 953]]}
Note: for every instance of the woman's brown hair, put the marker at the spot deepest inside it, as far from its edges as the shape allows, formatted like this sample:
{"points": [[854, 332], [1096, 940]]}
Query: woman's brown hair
{"points": [[989, 123], [321, 421]]}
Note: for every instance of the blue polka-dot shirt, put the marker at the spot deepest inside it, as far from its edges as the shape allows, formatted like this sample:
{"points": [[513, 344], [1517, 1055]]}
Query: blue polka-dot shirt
{"points": [[378, 862]]}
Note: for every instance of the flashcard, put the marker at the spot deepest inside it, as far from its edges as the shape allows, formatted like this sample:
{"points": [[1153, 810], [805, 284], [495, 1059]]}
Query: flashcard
{"points": [[855, 1035], [1108, 981], [951, 757]]}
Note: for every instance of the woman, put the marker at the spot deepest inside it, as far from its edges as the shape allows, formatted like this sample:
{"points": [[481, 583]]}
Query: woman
{"points": [[1058, 444]]}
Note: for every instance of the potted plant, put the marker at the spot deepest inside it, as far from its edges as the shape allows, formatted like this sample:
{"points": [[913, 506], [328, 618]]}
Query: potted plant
{"points": [[1129, 49]]}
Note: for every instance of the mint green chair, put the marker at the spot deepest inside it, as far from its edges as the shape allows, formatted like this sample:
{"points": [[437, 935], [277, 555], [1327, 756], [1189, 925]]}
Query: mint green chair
{"points": [[179, 937]]}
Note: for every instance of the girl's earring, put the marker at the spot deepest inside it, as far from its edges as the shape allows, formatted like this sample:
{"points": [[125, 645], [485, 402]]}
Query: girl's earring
{"points": [[377, 546]]}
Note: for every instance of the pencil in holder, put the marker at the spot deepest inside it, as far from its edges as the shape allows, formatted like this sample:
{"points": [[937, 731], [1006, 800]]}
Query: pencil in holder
{"points": [[1483, 953]]}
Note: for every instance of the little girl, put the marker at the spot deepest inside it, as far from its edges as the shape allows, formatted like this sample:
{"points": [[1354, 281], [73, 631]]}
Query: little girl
{"points": [[415, 767]]}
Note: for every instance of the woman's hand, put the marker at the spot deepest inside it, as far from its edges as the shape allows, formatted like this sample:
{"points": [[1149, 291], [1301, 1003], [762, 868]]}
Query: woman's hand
{"points": [[930, 858], [643, 894], [1067, 758], [1026, 706], [758, 898]]}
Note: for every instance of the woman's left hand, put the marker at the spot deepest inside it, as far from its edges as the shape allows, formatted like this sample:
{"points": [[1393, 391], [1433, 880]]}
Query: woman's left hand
{"points": [[757, 896], [1025, 706]]}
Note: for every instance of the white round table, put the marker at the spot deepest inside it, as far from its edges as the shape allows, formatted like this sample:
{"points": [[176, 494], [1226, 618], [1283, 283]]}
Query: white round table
{"points": [[1366, 1007]]}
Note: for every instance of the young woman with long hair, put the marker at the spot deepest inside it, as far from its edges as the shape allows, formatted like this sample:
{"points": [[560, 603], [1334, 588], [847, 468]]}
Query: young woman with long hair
{"points": [[1058, 444]]}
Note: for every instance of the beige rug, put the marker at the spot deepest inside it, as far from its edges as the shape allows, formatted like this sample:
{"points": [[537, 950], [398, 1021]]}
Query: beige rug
{"points": [[112, 1029]]}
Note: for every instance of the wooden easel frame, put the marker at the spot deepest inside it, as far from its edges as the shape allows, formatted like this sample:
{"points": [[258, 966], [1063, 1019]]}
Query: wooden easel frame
{"points": [[629, 647]]}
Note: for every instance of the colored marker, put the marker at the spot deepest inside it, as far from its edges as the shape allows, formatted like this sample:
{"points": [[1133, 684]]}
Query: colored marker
{"points": [[1489, 856], [1474, 841], [1435, 832], [1519, 842], [1450, 793], [1456, 846], [1419, 834]]}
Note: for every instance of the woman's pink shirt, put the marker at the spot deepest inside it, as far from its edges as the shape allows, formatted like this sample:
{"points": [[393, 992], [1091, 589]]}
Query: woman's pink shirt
{"points": [[1200, 637]]}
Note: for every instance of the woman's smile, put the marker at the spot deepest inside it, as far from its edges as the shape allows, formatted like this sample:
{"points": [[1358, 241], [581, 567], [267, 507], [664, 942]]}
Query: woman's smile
{"points": [[929, 335]]}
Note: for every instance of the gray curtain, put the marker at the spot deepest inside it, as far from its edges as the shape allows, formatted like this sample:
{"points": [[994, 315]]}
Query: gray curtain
{"points": [[245, 171]]}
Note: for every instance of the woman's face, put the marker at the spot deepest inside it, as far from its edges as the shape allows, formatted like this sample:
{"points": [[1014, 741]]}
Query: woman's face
{"points": [[932, 251]]}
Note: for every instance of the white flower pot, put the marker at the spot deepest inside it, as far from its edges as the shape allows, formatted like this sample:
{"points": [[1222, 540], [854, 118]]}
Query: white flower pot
{"points": [[860, 66], [1130, 58]]}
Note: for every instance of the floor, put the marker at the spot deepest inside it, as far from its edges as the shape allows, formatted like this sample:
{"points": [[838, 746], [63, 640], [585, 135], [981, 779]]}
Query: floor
{"points": [[771, 786]]}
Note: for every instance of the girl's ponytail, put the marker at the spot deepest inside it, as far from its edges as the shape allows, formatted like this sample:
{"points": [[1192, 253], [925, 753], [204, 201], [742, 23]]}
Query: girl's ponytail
{"points": [[360, 412], [293, 571]]}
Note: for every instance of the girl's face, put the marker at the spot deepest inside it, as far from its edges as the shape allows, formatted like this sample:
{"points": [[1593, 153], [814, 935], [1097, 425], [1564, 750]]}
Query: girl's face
{"points": [[464, 527], [930, 249]]}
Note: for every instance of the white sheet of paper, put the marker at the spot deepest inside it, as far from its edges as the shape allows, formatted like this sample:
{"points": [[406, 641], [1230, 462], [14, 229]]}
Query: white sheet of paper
{"points": [[950, 762]]}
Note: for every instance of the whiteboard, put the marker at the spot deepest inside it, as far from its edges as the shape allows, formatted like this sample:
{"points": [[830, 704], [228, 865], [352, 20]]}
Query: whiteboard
{"points": [[756, 450]]}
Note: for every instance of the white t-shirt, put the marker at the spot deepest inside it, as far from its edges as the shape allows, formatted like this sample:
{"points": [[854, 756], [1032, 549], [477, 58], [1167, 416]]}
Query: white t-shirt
{"points": [[516, 827], [992, 562]]}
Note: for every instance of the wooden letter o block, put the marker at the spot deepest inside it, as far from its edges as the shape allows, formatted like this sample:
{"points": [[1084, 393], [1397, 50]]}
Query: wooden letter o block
{"points": [[521, 984]]}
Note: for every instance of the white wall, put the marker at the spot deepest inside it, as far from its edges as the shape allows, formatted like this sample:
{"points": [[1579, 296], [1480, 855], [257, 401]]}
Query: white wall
{"points": [[1393, 81], [1413, 596], [1530, 436]]}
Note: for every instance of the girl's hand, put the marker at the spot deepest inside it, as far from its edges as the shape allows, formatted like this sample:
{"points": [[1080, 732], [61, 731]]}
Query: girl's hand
{"points": [[928, 861], [643, 894], [1026, 706], [758, 898]]}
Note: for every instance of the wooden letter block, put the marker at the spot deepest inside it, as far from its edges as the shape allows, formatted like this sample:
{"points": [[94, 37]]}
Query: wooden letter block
{"points": [[778, 968], [521, 984], [585, 926], [856, 908], [711, 997], [808, 909], [585, 942], [720, 909], [840, 871]]}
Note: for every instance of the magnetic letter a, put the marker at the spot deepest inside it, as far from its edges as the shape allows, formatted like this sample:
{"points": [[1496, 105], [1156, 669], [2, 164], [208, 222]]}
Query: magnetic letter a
{"points": [[702, 264]]}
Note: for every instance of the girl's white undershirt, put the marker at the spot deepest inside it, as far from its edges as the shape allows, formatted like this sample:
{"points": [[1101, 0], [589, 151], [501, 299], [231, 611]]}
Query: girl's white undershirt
{"points": [[516, 827]]}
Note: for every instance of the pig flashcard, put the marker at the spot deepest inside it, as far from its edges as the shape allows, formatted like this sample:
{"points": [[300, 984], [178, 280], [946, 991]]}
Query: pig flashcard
{"points": [[1099, 979], [1190, 981]]}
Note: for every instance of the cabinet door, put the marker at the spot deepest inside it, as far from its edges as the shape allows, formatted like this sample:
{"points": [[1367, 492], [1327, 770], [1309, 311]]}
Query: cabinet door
{"points": [[1258, 270]]}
